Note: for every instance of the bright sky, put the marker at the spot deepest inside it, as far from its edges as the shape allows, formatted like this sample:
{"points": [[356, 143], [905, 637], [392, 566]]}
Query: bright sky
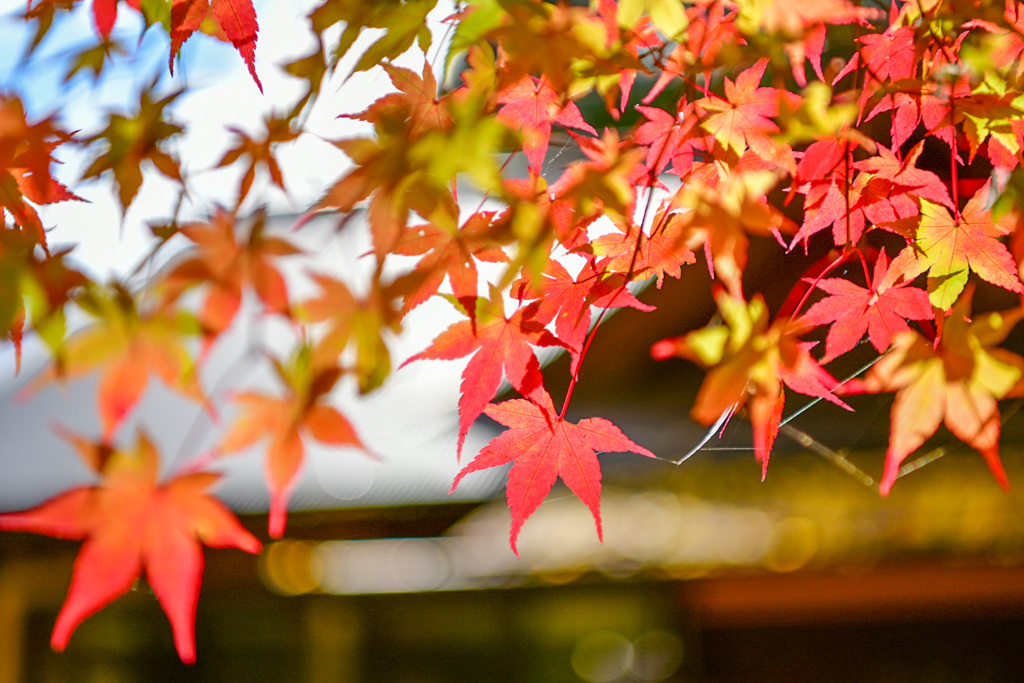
{"points": [[221, 94]]}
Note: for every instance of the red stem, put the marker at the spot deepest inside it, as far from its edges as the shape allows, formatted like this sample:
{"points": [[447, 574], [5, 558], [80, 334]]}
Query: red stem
{"points": [[629, 276], [817, 277], [953, 155]]}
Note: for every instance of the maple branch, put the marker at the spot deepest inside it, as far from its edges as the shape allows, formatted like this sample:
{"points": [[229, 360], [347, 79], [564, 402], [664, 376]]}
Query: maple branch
{"points": [[835, 457], [576, 373], [920, 462], [846, 186]]}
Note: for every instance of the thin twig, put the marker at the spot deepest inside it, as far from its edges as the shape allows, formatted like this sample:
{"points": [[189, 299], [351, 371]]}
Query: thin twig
{"points": [[836, 458]]}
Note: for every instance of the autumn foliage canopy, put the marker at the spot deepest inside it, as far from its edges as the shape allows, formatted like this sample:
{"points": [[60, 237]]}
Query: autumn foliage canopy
{"points": [[688, 126]]}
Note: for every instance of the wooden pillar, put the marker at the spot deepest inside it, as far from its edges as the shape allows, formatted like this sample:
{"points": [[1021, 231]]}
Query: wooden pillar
{"points": [[332, 639]]}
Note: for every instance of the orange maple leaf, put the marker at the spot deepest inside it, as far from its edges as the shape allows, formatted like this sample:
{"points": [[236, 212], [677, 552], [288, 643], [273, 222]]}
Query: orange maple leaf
{"points": [[956, 382], [228, 266], [361, 322], [302, 411], [749, 360], [450, 252], [127, 344], [742, 120], [131, 524]]}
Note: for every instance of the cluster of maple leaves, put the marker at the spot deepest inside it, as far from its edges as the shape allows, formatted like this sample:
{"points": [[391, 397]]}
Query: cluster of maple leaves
{"points": [[804, 122]]}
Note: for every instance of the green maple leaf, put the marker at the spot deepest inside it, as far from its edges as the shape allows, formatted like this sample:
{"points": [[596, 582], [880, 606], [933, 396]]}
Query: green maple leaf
{"points": [[949, 247]]}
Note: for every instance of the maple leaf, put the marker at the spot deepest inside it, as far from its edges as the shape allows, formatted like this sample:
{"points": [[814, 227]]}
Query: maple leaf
{"points": [[384, 169], [451, 253], [498, 343], [906, 176], [104, 14], [749, 362], [887, 57], [718, 213], [793, 17], [26, 159], [227, 266], [668, 138], [34, 288], [710, 31], [949, 247], [639, 256], [531, 106], [127, 342], [259, 152], [803, 23], [131, 140], [417, 101], [604, 184], [403, 23], [881, 311], [300, 414], [995, 111], [130, 524], [957, 382], [545, 447], [567, 300], [536, 216], [362, 322], [833, 201], [409, 166], [540, 38], [237, 18], [631, 33], [742, 119]]}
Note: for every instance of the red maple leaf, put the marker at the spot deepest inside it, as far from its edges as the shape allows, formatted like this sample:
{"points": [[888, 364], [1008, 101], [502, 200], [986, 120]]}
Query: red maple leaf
{"points": [[545, 447], [880, 310], [104, 13], [668, 138], [906, 176], [237, 18], [567, 300], [887, 57], [532, 105], [129, 524], [497, 342]]}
